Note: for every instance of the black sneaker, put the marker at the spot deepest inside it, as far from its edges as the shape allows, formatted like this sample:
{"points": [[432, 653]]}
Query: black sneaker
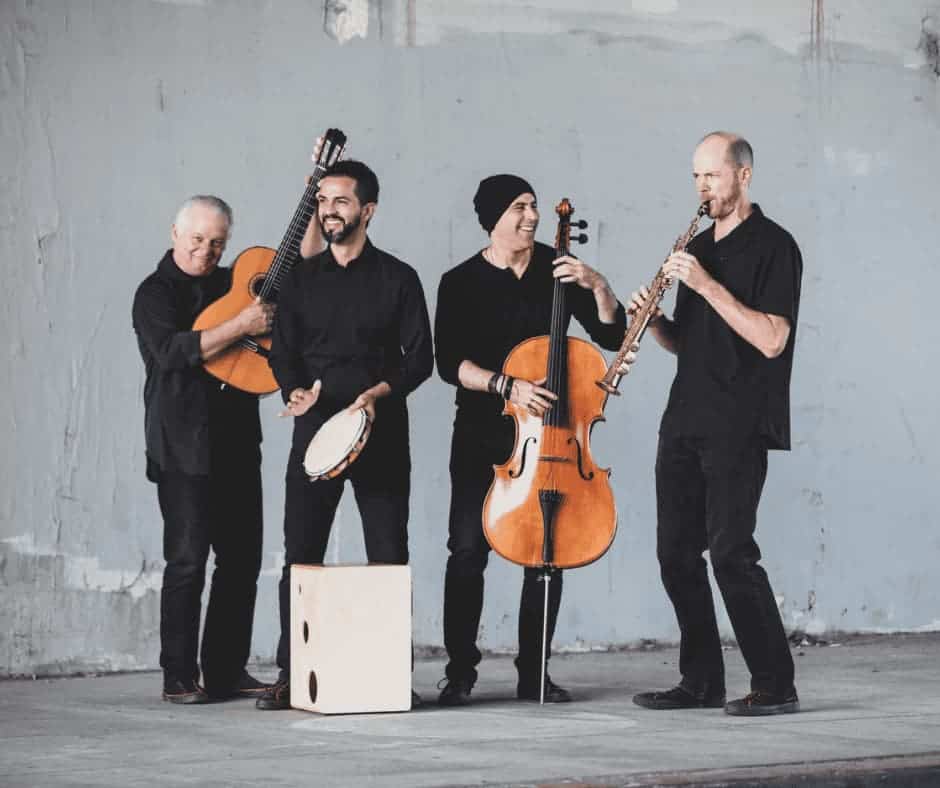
{"points": [[456, 692], [553, 693], [276, 697], [679, 698], [184, 692], [762, 704]]}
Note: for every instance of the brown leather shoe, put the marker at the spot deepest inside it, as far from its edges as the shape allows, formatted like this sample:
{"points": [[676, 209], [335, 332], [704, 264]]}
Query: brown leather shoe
{"points": [[276, 697]]}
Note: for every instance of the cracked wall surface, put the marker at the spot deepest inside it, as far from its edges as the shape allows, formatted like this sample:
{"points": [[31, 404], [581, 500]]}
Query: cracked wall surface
{"points": [[112, 112]]}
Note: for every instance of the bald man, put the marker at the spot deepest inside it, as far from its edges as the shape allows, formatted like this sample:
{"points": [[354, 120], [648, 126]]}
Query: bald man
{"points": [[733, 333]]}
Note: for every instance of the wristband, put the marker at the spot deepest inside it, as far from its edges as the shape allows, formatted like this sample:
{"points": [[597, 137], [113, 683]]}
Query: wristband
{"points": [[507, 387]]}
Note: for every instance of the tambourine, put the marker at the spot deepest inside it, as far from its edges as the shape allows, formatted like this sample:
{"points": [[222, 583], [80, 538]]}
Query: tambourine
{"points": [[337, 444]]}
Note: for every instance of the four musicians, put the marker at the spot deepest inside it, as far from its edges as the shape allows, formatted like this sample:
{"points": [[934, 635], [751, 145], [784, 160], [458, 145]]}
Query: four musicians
{"points": [[351, 330]]}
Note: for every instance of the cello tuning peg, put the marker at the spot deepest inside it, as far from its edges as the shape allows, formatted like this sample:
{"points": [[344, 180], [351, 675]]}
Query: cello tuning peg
{"points": [[580, 224], [581, 239]]}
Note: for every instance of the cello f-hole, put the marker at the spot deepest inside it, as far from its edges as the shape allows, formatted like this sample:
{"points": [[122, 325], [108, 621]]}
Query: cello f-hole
{"points": [[587, 477], [525, 448]]}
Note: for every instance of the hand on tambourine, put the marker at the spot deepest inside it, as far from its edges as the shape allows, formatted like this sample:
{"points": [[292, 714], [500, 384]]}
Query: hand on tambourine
{"points": [[532, 396], [301, 400], [366, 401]]}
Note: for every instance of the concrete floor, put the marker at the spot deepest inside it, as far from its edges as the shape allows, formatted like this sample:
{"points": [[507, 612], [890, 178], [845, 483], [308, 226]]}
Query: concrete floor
{"points": [[871, 715]]}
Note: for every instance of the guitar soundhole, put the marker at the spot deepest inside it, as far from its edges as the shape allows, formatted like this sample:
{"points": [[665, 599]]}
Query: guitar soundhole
{"points": [[256, 284]]}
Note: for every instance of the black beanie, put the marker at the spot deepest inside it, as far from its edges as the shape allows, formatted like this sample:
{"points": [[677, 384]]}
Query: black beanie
{"points": [[495, 194]]}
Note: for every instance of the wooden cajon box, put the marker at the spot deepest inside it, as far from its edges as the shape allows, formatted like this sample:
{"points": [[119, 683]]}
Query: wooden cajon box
{"points": [[350, 638]]}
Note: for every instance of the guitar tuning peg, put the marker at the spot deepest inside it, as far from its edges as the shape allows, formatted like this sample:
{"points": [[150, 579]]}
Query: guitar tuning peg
{"points": [[581, 239]]}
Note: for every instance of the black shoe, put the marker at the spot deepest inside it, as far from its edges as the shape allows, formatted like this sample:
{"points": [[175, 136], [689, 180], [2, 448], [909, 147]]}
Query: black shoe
{"points": [[456, 692], [553, 693], [276, 697], [416, 700], [246, 687], [679, 698], [250, 687], [184, 692], [762, 704]]}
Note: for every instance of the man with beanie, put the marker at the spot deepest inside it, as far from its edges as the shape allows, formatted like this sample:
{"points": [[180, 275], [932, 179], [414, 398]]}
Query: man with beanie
{"points": [[485, 307]]}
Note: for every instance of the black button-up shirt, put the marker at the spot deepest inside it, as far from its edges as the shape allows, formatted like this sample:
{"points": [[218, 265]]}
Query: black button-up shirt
{"points": [[724, 386], [351, 327], [187, 414], [483, 312]]}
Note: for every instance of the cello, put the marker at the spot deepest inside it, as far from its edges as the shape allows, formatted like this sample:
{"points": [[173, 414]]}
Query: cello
{"points": [[549, 505]]}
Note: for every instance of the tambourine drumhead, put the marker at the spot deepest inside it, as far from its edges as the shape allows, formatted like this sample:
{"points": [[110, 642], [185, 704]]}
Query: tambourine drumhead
{"points": [[336, 444]]}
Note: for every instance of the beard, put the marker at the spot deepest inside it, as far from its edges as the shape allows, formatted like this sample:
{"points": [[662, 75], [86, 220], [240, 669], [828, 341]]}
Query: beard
{"points": [[337, 236]]}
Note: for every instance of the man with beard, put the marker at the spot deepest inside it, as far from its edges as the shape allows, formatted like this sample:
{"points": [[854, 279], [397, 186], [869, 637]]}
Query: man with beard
{"points": [[203, 453], [485, 307], [733, 333], [351, 331]]}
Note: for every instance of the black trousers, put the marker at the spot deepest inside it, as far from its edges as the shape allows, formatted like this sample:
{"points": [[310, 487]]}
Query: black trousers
{"points": [[381, 482], [475, 449], [707, 492], [221, 512]]}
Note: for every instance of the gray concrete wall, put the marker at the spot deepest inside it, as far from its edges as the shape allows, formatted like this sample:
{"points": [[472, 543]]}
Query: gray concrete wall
{"points": [[111, 112]]}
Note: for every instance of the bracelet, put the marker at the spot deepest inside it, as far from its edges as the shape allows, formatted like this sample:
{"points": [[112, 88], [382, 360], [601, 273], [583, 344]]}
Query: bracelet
{"points": [[491, 385], [507, 387]]}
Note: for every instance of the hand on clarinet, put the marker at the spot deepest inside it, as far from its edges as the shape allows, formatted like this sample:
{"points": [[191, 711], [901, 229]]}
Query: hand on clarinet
{"points": [[628, 359], [688, 270], [638, 300], [301, 400]]}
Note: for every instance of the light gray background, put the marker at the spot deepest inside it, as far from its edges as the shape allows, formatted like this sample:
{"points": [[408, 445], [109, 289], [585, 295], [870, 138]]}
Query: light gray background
{"points": [[112, 112]]}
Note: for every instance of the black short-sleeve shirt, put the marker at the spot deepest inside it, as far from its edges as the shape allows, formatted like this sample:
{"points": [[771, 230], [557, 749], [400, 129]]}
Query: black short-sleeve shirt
{"points": [[724, 386]]}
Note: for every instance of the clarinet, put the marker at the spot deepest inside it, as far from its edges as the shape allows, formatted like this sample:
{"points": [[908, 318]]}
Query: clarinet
{"points": [[660, 284]]}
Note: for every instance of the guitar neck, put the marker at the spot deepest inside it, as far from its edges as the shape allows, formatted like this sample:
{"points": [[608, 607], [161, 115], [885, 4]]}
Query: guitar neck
{"points": [[287, 251]]}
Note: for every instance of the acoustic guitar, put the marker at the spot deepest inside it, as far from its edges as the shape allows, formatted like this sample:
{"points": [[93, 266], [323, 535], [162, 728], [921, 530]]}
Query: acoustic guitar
{"points": [[258, 272]]}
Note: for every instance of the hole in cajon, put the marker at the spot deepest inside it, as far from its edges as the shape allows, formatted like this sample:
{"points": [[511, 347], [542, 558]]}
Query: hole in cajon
{"points": [[313, 686], [306, 632]]}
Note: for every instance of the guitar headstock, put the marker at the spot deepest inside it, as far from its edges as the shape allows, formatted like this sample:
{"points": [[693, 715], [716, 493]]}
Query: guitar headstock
{"points": [[334, 143]]}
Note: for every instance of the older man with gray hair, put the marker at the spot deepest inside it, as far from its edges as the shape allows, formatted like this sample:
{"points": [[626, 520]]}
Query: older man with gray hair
{"points": [[203, 452]]}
